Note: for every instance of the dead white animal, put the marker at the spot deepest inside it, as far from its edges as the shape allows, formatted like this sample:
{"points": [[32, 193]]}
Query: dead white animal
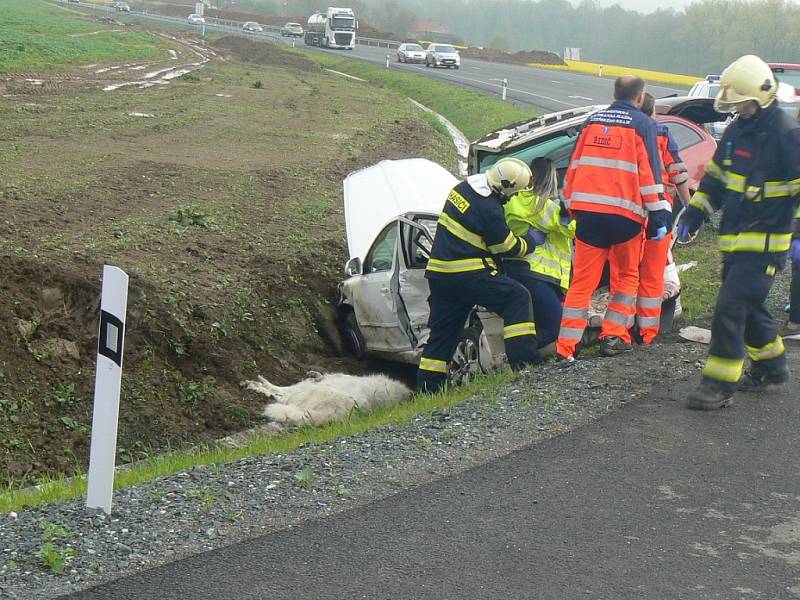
{"points": [[321, 398]]}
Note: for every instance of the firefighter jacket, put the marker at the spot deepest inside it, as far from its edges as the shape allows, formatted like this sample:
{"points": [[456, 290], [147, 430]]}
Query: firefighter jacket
{"points": [[615, 167], [552, 260], [472, 232], [674, 171], [754, 177]]}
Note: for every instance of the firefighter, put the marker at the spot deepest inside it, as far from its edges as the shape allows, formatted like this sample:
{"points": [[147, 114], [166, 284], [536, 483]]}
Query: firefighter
{"points": [[612, 187], [754, 178], [655, 254], [545, 272], [471, 237], [792, 325]]}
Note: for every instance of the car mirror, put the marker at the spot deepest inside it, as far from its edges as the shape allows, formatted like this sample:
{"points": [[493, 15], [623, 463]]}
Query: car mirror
{"points": [[353, 267]]}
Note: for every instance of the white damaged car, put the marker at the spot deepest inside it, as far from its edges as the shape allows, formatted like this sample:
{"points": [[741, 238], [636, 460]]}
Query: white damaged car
{"points": [[391, 211]]}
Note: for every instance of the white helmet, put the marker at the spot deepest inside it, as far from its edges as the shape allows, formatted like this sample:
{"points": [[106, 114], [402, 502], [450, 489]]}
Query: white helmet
{"points": [[746, 78], [508, 176]]}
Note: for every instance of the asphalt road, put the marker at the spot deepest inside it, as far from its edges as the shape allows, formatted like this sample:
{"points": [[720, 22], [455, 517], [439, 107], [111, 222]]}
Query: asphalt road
{"points": [[550, 90], [543, 88], [651, 502]]}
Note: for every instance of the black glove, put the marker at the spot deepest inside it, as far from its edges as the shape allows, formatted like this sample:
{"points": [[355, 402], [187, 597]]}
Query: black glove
{"points": [[692, 218], [657, 224]]}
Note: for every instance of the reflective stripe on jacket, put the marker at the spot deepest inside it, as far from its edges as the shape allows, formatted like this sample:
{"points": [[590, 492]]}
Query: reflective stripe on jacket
{"points": [[472, 232], [615, 166], [754, 177], [674, 170], [551, 261]]}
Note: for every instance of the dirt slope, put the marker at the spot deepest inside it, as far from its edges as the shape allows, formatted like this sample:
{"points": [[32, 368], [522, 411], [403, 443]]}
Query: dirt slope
{"points": [[220, 194]]}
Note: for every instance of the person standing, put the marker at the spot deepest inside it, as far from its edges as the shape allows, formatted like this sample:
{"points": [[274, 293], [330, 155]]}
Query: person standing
{"points": [[612, 188], [545, 272], [471, 236], [655, 254], [754, 178]]}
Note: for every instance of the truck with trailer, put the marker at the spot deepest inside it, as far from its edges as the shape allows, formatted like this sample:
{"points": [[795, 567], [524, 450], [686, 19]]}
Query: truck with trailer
{"points": [[334, 28]]}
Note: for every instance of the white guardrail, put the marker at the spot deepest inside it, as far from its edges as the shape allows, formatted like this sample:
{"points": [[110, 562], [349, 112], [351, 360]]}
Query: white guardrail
{"points": [[271, 33]]}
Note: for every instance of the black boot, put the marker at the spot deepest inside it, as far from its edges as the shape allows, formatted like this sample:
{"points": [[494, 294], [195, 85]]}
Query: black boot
{"points": [[758, 378], [613, 346], [711, 395]]}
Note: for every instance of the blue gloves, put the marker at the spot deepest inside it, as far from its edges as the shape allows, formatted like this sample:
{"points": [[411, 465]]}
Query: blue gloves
{"points": [[658, 234], [794, 252], [534, 237], [684, 235]]}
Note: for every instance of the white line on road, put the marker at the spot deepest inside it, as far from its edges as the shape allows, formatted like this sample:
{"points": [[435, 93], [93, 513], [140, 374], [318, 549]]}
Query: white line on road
{"points": [[581, 98]]}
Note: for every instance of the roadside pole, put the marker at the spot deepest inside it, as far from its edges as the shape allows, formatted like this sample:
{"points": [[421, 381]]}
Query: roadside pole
{"points": [[387, 61], [504, 87], [107, 384]]}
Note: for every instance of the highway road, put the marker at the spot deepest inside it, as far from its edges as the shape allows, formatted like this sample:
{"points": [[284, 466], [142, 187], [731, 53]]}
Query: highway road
{"points": [[546, 89]]}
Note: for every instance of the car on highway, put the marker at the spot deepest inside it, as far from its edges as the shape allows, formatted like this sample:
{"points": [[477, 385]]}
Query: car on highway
{"points": [[252, 27], [122, 6], [196, 19], [292, 30], [442, 55], [391, 211], [410, 53]]}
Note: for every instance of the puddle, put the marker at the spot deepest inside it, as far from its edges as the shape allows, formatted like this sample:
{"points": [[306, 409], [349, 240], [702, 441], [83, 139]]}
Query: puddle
{"points": [[35, 81]]}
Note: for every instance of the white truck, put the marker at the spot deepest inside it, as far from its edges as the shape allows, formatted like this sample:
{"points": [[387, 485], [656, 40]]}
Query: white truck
{"points": [[335, 28]]}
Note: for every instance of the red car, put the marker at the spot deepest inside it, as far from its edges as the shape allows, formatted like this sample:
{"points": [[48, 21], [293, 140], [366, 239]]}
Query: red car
{"points": [[554, 136], [787, 73]]}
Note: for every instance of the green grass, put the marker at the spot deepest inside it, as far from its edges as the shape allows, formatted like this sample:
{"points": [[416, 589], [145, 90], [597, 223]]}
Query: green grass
{"points": [[38, 36], [473, 113], [700, 284], [59, 489]]}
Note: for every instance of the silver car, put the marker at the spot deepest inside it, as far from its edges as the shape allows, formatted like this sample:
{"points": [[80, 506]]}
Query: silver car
{"points": [[252, 26], [442, 55], [391, 211], [410, 53]]}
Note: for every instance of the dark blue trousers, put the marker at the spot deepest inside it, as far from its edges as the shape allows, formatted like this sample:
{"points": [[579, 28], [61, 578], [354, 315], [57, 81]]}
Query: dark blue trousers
{"points": [[452, 299], [547, 298], [742, 325], [794, 296]]}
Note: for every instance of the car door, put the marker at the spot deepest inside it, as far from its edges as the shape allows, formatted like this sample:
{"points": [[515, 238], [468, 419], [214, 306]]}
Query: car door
{"points": [[376, 295]]}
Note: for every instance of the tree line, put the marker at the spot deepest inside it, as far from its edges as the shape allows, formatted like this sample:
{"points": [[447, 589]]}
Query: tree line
{"points": [[702, 39]]}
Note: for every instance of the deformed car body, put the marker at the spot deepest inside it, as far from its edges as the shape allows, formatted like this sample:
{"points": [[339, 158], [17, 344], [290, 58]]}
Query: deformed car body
{"points": [[391, 212]]}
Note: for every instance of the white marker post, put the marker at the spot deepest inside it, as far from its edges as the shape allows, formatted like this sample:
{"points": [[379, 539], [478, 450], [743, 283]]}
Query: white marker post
{"points": [[387, 61], [107, 383]]}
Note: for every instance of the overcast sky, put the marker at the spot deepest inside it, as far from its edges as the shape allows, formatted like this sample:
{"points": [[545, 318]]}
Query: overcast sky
{"points": [[646, 6]]}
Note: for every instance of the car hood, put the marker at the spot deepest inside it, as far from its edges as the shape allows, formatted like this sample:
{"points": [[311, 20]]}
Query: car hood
{"points": [[445, 54], [697, 110], [375, 195]]}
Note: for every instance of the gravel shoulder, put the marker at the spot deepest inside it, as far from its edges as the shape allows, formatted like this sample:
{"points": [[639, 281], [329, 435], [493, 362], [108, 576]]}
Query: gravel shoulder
{"points": [[203, 509]]}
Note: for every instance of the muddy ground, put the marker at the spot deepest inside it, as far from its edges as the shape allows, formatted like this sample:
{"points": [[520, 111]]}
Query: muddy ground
{"points": [[219, 192]]}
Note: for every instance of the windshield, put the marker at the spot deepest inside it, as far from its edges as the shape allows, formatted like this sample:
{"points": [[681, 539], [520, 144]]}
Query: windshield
{"points": [[448, 49], [790, 77], [414, 47], [343, 23]]}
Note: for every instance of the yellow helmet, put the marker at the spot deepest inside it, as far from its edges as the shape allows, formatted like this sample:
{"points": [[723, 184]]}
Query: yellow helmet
{"points": [[508, 176], [746, 78]]}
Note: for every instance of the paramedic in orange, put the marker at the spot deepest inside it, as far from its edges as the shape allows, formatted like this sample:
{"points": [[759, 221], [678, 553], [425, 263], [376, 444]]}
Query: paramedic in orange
{"points": [[612, 188], [655, 257]]}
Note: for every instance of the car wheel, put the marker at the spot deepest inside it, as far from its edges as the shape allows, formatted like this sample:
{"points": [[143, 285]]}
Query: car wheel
{"points": [[465, 364], [456, 67], [354, 339], [427, 64]]}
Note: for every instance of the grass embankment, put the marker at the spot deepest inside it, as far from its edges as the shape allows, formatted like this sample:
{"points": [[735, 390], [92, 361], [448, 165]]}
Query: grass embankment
{"points": [[473, 113], [700, 284], [224, 205], [58, 489], [590, 68], [38, 36]]}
